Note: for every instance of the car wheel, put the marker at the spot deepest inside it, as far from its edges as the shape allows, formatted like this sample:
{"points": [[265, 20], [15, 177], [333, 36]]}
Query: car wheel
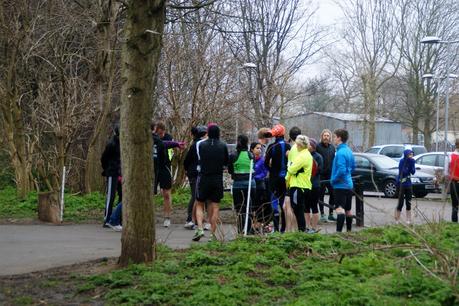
{"points": [[420, 194], [390, 189]]}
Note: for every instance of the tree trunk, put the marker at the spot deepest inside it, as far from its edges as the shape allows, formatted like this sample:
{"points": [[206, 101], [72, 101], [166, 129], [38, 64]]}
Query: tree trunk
{"points": [[48, 207], [141, 52], [104, 76]]}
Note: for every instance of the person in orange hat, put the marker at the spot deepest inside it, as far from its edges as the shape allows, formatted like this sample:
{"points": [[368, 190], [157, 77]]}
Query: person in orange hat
{"points": [[276, 162]]}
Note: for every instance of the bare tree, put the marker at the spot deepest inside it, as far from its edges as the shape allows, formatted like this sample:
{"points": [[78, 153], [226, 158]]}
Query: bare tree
{"points": [[17, 25], [279, 36], [422, 18], [105, 18], [371, 33]]}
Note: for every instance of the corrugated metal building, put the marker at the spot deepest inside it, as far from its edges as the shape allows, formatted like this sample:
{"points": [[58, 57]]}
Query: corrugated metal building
{"points": [[312, 124]]}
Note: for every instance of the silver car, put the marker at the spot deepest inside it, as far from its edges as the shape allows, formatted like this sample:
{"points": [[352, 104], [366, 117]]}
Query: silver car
{"points": [[432, 163]]}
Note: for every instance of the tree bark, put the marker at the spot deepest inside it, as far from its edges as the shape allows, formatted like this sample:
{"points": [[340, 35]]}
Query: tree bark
{"points": [[141, 52], [104, 78]]}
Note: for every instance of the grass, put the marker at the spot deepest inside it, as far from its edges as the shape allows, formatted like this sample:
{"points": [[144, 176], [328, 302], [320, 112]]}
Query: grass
{"points": [[79, 208], [372, 267]]}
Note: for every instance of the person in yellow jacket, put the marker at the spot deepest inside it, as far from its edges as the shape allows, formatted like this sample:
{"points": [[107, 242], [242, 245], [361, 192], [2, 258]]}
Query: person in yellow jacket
{"points": [[298, 179]]}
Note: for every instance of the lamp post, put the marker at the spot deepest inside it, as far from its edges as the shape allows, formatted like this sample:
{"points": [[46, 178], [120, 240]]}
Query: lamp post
{"points": [[430, 76], [449, 62], [245, 66]]}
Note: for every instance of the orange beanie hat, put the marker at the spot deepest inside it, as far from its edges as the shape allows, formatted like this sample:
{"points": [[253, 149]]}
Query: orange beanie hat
{"points": [[278, 130]]}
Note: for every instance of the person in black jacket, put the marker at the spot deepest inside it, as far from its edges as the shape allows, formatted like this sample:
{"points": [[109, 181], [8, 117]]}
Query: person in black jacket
{"points": [[163, 169], [191, 168], [213, 158], [327, 150], [276, 162], [111, 165]]}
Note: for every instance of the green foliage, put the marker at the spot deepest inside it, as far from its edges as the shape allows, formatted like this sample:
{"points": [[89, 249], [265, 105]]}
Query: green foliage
{"points": [[80, 208], [77, 207], [366, 268]]}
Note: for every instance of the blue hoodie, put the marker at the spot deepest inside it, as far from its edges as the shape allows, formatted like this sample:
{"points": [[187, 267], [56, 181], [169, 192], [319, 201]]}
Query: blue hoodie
{"points": [[343, 165], [406, 168]]}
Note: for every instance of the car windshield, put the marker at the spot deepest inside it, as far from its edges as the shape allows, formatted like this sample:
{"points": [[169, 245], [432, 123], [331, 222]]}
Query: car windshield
{"points": [[384, 162], [372, 150], [419, 150]]}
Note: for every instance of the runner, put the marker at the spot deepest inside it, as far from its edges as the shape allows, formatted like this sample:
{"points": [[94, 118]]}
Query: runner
{"points": [[262, 206], [276, 162], [213, 157], [163, 172], [406, 168], [454, 185], [239, 167], [298, 179], [313, 199], [341, 180], [111, 165], [191, 168], [327, 150]]}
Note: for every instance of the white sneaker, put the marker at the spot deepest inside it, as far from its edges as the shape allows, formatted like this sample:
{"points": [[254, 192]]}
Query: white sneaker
{"points": [[189, 225], [167, 222], [116, 228], [207, 226]]}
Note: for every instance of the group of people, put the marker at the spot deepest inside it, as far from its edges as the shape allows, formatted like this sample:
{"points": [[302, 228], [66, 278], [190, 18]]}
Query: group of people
{"points": [[275, 182], [270, 177]]}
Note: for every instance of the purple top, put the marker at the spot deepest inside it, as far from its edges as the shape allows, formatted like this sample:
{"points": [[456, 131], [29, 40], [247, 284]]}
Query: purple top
{"points": [[260, 169]]}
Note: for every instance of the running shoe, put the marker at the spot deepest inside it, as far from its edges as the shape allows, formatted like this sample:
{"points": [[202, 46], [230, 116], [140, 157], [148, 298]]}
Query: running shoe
{"points": [[331, 218], [189, 225], [207, 226], [167, 222], [311, 231], [198, 234], [116, 228]]}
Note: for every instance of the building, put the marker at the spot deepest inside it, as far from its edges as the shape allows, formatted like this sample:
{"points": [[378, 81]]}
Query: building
{"points": [[312, 123]]}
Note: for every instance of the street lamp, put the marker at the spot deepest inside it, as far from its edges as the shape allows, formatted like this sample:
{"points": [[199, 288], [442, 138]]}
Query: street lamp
{"points": [[430, 76], [437, 40], [245, 66]]}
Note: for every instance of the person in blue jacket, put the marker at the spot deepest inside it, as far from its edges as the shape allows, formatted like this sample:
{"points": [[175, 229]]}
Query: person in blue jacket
{"points": [[341, 180], [406, 168]]}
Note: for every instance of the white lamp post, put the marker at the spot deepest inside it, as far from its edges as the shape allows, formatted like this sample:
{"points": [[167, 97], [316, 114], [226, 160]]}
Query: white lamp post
{"points": [[430, 76], [437, 40], [245, 66]]}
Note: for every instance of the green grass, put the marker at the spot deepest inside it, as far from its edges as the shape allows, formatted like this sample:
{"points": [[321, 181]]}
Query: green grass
{"points": [[371, 267], [79, 208]]}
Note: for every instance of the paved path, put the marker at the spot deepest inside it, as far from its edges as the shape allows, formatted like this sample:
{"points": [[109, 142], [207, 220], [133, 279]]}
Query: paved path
{"points": [[28, 248]]}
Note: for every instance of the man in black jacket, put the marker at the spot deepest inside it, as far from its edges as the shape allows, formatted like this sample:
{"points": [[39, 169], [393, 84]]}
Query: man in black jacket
{"points": [[191, 168], [111, 165], [213, 157], [327, 150]]}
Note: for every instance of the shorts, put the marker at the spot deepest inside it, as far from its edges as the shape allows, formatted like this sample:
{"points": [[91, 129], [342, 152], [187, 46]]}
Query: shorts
{"points": [[209, 188], [343, 198], [163, 178]]}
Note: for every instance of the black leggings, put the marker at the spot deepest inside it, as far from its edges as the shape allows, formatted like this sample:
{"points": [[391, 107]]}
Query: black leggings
{"points": [[311, 201], [454, 188], [192, 181], [405, 193], [240, 206], [297, 200], [331, 202]]}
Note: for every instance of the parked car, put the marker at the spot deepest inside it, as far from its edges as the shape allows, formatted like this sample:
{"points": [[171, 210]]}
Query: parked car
{"points": [[432, 163], [395, 151], [379, 173]]}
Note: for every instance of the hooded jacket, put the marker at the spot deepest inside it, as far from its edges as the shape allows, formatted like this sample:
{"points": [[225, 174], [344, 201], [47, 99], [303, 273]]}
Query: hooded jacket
{"points": [[111, 157], [406, 167]]}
